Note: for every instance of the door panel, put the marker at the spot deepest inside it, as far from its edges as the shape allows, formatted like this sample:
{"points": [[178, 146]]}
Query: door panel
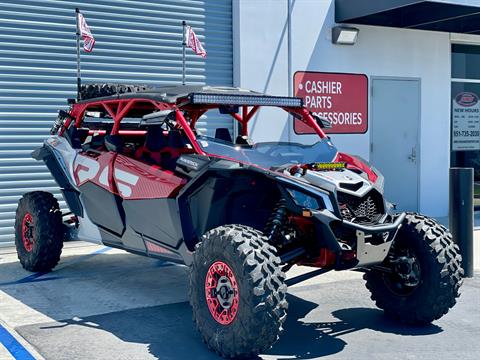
{"points": [[157, 219], [394, 133], [149, 202], [102, 205]]}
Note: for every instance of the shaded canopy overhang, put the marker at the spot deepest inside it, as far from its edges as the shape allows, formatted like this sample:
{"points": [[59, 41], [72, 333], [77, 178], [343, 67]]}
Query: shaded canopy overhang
{"points": [[459, 16]]}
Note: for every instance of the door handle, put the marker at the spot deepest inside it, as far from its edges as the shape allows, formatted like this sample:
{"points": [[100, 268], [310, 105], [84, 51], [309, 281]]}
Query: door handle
{"points": [[413, 155]]}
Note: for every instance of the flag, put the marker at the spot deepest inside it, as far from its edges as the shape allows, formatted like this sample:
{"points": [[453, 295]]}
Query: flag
{"points": [[193, 42], [88, 39]]}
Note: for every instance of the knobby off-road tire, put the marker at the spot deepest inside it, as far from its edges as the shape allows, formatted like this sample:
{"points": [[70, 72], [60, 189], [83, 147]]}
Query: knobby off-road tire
{"points": [[261, 290], [440, 274], [38, 231]]}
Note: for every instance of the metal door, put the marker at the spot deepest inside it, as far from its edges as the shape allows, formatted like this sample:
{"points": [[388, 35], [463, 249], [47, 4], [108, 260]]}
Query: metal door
{"points": [[394, 130]]}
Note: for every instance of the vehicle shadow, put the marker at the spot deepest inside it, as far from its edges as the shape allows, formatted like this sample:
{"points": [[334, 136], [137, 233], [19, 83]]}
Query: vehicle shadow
{"points": [[169, 333], [309, 340]]}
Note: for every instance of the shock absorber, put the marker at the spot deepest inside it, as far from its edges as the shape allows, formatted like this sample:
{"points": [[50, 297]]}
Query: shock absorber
{"points": [[276, 223]]}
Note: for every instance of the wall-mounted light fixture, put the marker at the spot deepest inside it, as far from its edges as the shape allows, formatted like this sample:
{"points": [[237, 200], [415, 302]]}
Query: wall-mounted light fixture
{"points": [[343, 35]]}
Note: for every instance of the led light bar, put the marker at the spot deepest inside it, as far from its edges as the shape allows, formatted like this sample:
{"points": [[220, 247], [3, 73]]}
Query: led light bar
{"points": [[249, 100], [329, 166]]}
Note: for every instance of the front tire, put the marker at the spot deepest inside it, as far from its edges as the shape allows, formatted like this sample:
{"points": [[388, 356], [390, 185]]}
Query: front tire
{"points": [[38, 231], [426, 273], [237, 291]]}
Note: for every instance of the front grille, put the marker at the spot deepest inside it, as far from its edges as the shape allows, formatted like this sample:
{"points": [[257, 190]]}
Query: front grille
{"points": [[366, 209]]}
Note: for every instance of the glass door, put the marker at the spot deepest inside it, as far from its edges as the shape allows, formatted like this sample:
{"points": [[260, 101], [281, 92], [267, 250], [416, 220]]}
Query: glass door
{"points": [[465, 111]]}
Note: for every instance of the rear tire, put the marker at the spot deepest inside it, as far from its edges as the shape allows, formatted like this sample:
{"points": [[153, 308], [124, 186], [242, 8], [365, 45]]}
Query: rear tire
{"points": [[253, 321], [38, 231], [434, 284]]}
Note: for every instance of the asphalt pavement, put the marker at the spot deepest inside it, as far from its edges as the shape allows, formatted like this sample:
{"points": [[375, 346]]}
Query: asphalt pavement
{"points": [[102, 303]]}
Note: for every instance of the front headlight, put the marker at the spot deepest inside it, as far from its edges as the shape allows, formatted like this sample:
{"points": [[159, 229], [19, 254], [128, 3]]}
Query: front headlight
{"points": [[310, 197], [303, 200]]}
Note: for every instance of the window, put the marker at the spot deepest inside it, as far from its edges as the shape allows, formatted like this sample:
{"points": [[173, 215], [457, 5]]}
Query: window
{"points": [[465, 110], [465, 61]]}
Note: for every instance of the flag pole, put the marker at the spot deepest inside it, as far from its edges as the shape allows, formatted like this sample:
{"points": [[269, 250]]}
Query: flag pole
{"points": [[184, 43], [77, 12]]}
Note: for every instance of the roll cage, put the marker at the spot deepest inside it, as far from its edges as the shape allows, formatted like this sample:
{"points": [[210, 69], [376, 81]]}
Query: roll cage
{"points": [[186, 111]]}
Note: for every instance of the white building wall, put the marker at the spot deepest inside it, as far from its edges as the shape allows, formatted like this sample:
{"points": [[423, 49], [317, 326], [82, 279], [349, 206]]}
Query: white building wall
{"points": [[262, 65], [263, 58]]}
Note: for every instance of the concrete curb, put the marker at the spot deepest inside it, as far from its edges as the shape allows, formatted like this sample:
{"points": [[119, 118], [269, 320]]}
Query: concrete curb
{"points": [[17, 346]]}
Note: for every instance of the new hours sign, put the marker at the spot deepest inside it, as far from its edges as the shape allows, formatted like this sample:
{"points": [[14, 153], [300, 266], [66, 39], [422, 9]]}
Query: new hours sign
{"points": [[340, 98]]}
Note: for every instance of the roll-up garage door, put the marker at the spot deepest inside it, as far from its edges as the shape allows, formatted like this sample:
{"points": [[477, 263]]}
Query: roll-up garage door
{"points": [[136, 42]]}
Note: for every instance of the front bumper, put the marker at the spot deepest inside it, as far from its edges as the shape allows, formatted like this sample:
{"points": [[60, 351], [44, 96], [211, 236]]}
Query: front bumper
{"points": [[378, 228], [366, 252]]}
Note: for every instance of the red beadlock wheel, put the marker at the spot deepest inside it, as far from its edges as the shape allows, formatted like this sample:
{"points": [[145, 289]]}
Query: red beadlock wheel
{"points": [[229, 262], [27, 232], [221, 292], [39, 231]]}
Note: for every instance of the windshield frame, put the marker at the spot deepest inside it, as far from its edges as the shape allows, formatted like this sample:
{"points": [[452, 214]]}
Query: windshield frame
{"points": [[195, 112]]}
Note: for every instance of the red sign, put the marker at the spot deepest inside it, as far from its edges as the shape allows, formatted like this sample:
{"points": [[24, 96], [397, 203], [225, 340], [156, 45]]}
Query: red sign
{"points": [[340, 98]]}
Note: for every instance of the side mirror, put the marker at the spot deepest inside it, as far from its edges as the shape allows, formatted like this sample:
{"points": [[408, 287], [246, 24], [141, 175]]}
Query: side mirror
{"points": [[322, 122]]}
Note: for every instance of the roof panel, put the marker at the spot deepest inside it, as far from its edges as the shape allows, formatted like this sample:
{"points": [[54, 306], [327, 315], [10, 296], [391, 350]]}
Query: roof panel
{"points": [[461, 16]]}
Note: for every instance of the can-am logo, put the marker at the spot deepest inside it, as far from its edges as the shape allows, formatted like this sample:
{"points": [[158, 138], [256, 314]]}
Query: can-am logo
{"points": [[466, 99]]}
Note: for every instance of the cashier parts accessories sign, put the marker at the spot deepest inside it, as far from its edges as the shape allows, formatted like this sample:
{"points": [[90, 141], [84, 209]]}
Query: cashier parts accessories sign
{"points": [[465, 122], [340, 98]]}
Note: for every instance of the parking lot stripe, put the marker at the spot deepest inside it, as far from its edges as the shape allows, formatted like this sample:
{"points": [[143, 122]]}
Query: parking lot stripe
{"points": [[13, 346], [85, 257], [35, 277]]}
